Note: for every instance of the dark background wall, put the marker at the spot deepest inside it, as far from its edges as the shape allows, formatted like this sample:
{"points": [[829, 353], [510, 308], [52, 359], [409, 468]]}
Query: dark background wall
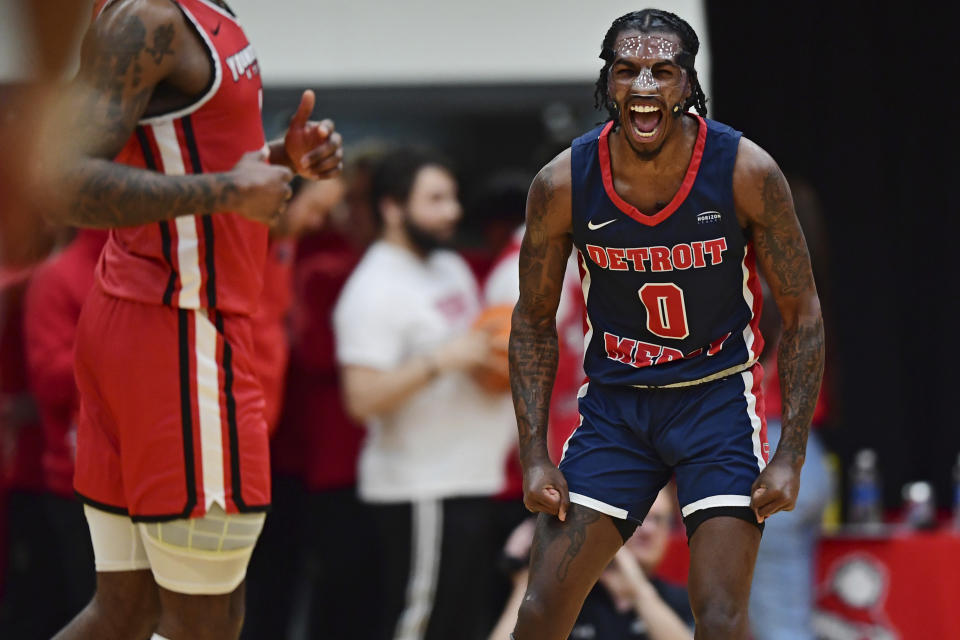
{"points": [[854, 98]]}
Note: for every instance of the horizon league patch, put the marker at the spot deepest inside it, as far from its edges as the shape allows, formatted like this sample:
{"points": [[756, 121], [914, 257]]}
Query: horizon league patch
{"points": [[708, 216]]}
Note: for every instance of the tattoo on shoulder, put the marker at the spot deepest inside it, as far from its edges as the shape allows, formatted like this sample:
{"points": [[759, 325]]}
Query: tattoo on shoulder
{"points": [[781, 237], [162, 39]]}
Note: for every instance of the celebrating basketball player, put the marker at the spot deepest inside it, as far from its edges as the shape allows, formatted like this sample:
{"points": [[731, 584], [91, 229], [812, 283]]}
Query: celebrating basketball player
{"points": [[166, 148], [671, 213]]}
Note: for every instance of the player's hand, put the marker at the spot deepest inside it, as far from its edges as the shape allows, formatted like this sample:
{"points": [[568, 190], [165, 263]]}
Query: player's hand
{"points": [[545, 489], [262, 189], [468, 351], [625, 577], [775, 489], [314, 148]]}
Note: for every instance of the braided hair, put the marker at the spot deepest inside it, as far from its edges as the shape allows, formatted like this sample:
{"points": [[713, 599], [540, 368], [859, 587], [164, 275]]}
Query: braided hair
{"points": [[647, 21]]}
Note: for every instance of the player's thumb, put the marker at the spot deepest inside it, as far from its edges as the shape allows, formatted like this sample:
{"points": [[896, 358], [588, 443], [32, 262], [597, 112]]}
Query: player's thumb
{"points": [[755, 498], [564, 502], [307, 101]]}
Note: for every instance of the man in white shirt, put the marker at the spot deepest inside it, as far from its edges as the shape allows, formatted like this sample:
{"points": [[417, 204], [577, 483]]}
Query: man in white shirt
{"points": [[437, 442]]}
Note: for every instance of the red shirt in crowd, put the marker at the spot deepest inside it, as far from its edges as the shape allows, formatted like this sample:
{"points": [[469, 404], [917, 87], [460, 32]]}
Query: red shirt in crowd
{"points": [[317, 441], [21, 438], [54, 299], [270, 342]]}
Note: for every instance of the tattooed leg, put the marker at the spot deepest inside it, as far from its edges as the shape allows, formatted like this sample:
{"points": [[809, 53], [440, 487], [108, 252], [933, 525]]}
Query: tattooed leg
{"points": [[566, 560]]}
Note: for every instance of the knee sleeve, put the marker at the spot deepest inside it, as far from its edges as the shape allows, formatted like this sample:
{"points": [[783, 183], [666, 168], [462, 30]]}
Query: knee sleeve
{"points": [[202, 556]]}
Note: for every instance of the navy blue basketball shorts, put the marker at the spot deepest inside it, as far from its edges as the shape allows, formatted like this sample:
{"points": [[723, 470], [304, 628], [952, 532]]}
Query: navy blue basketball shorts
{"points": [[711, 436]]}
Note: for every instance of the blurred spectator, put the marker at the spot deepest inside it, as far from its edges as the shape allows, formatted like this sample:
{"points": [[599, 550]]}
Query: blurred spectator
{"points": [[310, 205], [781, 599], [628, 601], [27, 609], [436, 442], [304, 572], [496, 210], [55, 297]]}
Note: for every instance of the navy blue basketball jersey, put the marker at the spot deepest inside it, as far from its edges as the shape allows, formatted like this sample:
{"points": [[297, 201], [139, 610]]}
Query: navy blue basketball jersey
{"points": [[672, 298]]}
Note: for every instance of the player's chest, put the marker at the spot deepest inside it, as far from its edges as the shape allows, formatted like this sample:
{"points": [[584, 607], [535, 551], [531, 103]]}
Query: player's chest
{"points": [[649, 194]]}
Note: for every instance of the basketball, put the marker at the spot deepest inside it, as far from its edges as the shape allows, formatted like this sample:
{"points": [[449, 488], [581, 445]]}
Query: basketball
{"points": [[495, 321]]}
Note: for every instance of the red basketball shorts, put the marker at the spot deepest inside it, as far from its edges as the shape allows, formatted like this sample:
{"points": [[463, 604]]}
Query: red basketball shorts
{"points": [[171, 411]]}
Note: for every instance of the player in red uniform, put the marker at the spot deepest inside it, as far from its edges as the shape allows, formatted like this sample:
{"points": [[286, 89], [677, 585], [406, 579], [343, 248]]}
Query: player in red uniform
{"points": [[166, 148]]}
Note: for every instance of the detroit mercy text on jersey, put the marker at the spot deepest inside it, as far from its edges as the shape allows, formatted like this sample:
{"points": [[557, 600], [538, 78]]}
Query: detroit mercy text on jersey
{"points": [[671, 298], [192, 262]]}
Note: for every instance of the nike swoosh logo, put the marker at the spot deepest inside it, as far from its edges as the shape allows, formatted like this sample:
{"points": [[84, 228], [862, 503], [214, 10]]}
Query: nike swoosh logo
{"points": [[217, 30], [594, 227]]}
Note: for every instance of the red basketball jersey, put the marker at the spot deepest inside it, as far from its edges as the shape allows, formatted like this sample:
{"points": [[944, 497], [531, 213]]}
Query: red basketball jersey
{"points": [[211, 261]]}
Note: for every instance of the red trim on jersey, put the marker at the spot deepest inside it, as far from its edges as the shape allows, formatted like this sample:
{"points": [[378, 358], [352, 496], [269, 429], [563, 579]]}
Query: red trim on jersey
{"points": [[154, 149], [761, 409], [678, 198], [583, 272], [753, 284]]}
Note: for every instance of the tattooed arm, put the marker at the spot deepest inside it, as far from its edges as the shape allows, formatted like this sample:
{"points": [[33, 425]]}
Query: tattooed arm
{"points": [[533, 335], [134, 47], [765, 208]]}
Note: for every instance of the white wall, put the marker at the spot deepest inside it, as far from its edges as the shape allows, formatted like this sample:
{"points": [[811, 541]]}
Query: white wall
{"points": [[14, 58], [371, 42], [364, 42]]}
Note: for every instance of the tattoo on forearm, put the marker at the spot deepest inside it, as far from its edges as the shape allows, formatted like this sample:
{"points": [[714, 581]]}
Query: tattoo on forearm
{"points": [[779, 242], [800, 363], [783, 242], [113, 195], [533, 335]]}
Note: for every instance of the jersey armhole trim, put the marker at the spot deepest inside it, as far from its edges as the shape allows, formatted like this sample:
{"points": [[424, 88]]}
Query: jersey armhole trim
{"points": [[215, 79]]}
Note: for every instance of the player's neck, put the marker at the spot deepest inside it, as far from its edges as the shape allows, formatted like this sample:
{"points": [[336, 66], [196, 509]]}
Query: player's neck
{"points": [[676, 150]]}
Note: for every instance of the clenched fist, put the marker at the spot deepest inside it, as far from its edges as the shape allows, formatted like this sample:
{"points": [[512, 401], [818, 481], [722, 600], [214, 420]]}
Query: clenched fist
{"points": [[261, 190]]}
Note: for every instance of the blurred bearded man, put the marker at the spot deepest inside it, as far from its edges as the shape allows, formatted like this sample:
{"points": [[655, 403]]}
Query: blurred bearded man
{"points": [[436, 441]]}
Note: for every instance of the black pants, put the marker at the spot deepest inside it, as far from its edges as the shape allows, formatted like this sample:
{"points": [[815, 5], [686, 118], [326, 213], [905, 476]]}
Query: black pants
{"points": [[440, 566], [50, 570], [314, 568]]}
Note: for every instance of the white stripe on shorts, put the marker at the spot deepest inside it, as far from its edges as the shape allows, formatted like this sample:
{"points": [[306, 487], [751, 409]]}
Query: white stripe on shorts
{"points": [[755, 420], [715, 501], [596, 505], [208, 403], [427, 537]]}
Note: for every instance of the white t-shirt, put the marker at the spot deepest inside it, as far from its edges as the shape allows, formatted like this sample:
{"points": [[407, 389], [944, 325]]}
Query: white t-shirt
{"points": [[449, 438]]}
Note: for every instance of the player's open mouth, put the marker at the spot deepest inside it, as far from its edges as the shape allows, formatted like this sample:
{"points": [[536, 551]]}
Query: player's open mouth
{"points": [[645, 119]]}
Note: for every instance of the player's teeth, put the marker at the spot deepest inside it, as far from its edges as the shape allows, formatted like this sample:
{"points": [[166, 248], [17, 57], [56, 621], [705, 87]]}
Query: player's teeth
{"points": [[645, 135], [640, 108]]}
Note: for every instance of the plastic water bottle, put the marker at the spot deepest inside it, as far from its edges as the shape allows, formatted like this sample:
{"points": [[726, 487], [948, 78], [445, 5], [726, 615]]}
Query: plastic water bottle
{"points": [[956, 495], [865, 496], [920, 512]]}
